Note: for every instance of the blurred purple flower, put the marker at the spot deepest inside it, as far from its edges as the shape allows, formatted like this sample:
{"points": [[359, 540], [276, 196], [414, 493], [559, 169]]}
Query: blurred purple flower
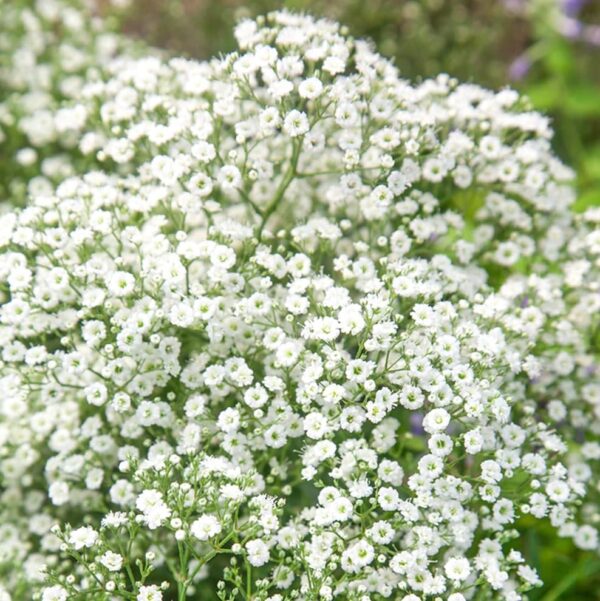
{"points": [[519, 67], [416, 423], [573, 7], [591, 34], [590, 370], [570, 28], [515, 5]]}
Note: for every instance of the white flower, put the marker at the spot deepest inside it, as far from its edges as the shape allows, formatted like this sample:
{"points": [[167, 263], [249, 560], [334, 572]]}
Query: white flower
{"points": [[258, 552], [557, 490], [203, 151], [295, 124], [83, 537], [586, 538], [457, 569], [229, 420], [310, 88], [229, 177], [388, 498], [149, 593], [121, 283], [436, 420], [59, 492], [205, 527], [358, 555], [113, 562], [154, 509], [315, 425], [54, 593], [96, 394]]}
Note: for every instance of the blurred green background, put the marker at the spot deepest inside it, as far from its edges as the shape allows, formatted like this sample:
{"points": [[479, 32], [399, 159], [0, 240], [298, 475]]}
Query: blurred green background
{"points": [[548, 49]]}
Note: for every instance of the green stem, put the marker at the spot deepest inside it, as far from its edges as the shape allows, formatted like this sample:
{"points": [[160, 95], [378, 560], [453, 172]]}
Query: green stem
{"points": [[584, 571], [283, 186], [182, 579]]}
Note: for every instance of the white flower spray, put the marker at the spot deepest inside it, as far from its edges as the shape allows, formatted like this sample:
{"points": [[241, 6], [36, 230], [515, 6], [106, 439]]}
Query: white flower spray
{"points": [[257, 349]]}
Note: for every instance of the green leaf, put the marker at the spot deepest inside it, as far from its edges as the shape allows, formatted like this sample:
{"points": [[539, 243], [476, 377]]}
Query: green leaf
{"points": [[583, 100], [590, 198], [546, 95], [559, 58], [591, 163], [414, 443], [580, 572]]}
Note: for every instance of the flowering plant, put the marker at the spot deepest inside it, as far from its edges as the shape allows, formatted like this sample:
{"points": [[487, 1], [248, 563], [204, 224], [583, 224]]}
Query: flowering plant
{"points": [[47, 48], [299, 330]]}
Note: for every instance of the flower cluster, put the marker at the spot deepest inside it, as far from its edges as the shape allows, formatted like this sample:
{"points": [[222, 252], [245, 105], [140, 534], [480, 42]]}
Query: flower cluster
{"points": [[301, 330], [47, 48]]}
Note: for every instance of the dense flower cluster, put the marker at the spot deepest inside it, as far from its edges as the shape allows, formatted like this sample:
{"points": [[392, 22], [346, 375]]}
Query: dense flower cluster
{"points": [[47, 48], [300, 330]]}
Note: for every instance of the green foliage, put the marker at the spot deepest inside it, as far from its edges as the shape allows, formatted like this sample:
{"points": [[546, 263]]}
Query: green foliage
{"points": [[564, 81]]}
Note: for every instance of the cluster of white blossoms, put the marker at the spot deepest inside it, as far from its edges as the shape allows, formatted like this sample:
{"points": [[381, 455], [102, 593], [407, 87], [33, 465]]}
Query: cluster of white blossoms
{"points": [[303, 330], [47, 49]]}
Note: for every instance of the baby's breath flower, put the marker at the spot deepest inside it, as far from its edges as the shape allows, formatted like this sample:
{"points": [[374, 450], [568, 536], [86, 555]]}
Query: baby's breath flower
{"points": [[276, 333]]}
